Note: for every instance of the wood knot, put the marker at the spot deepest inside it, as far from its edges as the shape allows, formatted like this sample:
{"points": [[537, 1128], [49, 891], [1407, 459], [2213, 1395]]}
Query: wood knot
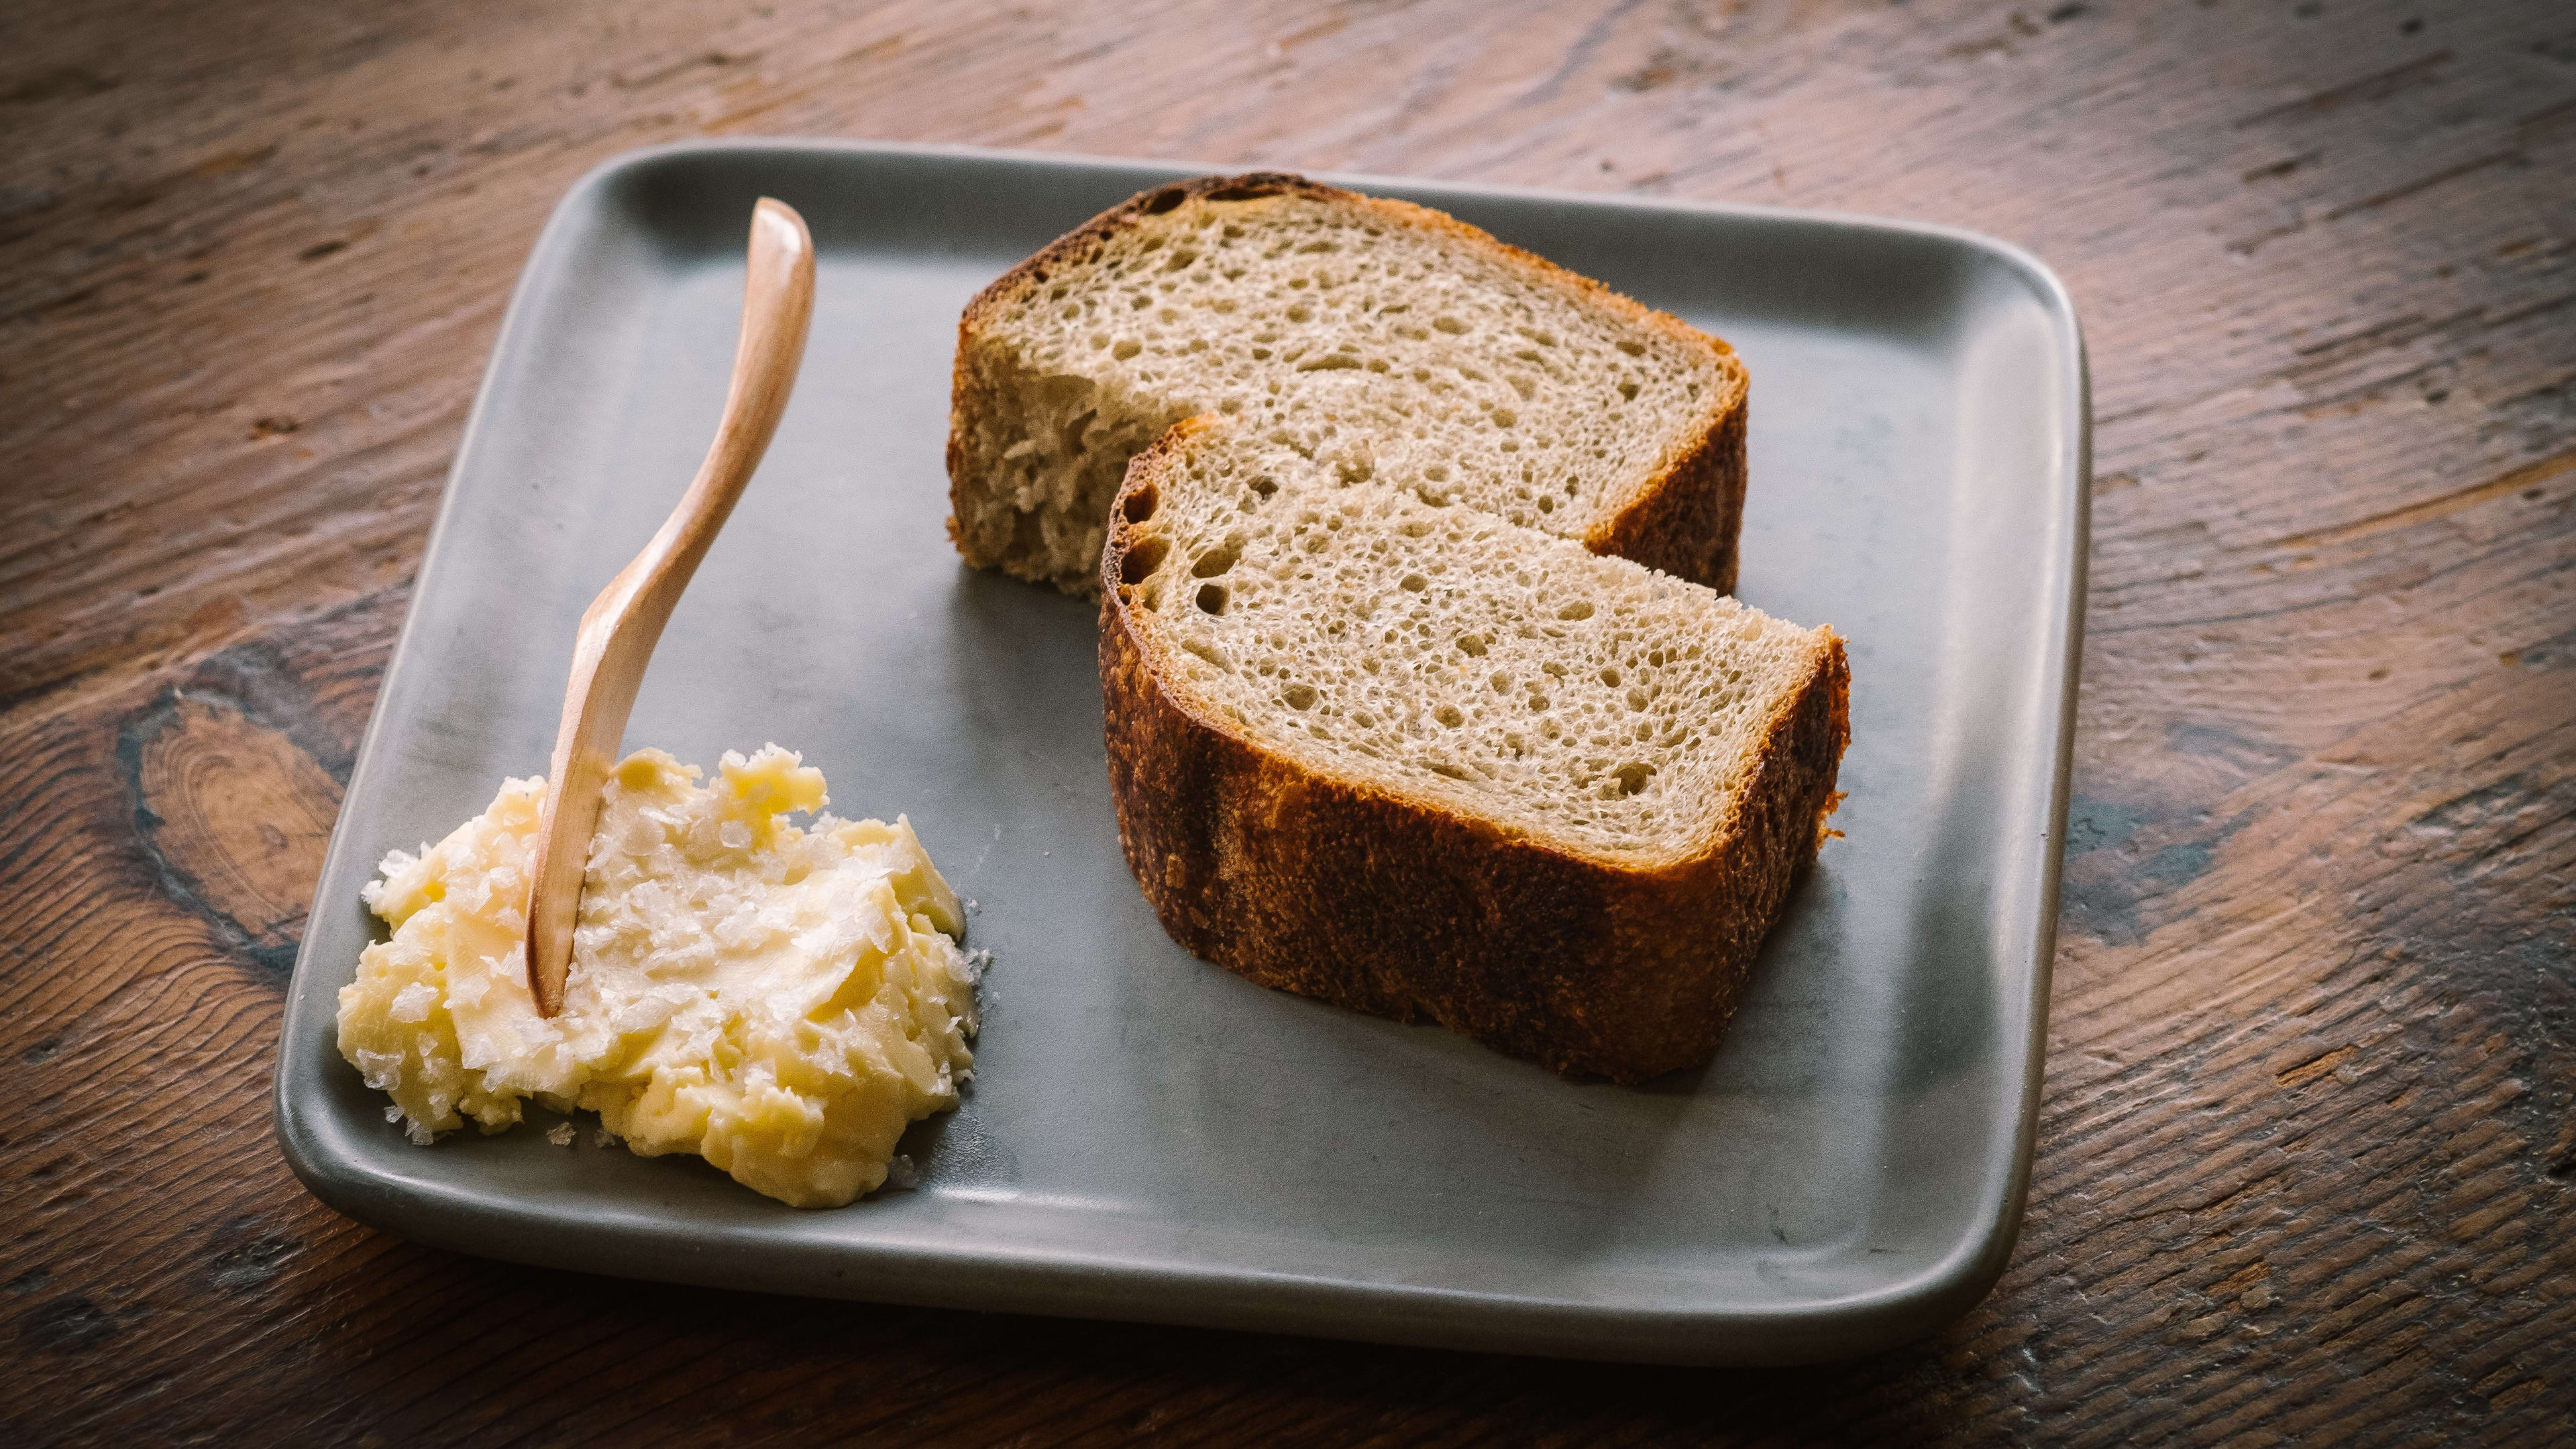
{"points": [[235, 815]]}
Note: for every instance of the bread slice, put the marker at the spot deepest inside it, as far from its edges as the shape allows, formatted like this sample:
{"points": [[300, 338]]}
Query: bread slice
{"points": [[1361, 333], [1423, 762]]}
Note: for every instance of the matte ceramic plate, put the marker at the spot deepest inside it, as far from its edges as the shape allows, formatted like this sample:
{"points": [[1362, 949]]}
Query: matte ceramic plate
{"points": [[1147, 1136]]}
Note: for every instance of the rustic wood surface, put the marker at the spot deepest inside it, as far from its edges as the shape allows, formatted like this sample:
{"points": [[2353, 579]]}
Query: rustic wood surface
{"points": [[2307, 1152]]}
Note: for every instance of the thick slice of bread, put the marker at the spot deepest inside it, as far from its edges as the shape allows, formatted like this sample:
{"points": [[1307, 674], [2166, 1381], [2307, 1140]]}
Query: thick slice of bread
{"points": [[1362, 333], [1420, 761]]}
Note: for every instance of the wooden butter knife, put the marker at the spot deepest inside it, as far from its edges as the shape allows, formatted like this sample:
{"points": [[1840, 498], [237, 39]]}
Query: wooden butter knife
{"points": [[619, 629]]}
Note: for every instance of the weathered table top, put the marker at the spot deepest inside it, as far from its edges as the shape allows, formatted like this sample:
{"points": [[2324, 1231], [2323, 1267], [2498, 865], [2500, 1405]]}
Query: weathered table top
{"points": [[2307, 1164]]}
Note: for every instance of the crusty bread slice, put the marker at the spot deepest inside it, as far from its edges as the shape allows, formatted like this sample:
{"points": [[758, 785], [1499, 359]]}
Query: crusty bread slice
{"points": [[1366, 334], [1422, 762]]}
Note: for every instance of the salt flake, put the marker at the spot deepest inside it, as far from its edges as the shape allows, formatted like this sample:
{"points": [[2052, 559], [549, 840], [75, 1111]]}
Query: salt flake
{"points": [[413, 1003]]}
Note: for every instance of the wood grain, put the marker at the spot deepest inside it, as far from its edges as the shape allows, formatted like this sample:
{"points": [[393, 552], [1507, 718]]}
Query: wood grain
{"points": [[2306, 1158]]}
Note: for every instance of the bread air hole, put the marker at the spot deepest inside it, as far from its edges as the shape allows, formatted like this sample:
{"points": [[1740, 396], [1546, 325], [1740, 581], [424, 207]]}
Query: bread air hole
{"points": [[1298, 696], [1216, 561], [1143, 557], [1142, 502], [1579, 609], [1632, 777], [1211, 598]]}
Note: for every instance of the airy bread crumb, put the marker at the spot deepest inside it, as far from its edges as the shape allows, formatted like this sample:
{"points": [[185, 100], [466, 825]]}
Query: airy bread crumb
{"points": [[1421, 761], [1369, 336]]}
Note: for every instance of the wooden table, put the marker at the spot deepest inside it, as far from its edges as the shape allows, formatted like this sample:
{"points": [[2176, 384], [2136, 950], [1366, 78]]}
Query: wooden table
{"points": [[2307, 1162]]}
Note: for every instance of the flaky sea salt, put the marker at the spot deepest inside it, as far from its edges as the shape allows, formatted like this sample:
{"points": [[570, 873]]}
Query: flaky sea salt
{"points": [[902, 1175], [738, 924], [560, 1134], [381, 1069], [872, 924], [824, 942], [414, 1002], [641, 1014]]}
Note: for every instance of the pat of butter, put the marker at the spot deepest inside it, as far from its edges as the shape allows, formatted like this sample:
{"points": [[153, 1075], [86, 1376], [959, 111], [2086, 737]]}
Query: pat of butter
{"points": [[781, 1002]]}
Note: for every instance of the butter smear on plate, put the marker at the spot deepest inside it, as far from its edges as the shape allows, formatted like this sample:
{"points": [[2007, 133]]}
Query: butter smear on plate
{"points": [[779, 1001]]}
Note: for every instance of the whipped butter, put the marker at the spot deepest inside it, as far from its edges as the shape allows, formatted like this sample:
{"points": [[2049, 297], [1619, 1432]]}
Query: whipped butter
{"points": [[779, 1001]]}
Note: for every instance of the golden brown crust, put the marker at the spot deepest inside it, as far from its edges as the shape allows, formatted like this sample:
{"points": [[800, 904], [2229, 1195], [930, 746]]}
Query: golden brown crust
{"points": [[1357, 894], [1683, 517], [1687, 516]]}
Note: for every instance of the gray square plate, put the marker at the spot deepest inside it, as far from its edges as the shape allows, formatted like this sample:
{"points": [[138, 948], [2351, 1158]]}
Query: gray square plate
{"points": [[1148, 1137]]}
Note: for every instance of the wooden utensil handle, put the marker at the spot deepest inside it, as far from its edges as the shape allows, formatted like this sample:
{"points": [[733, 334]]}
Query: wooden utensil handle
{"points": [[622, 625]]}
